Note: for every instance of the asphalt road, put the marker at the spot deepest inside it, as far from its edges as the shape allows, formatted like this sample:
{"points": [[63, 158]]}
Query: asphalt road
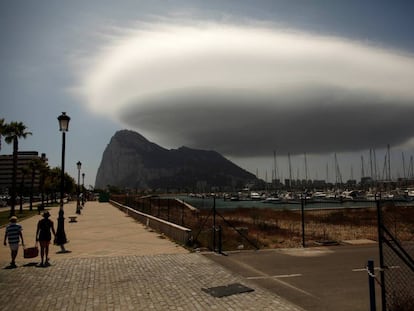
{"points": [[316, 279]]}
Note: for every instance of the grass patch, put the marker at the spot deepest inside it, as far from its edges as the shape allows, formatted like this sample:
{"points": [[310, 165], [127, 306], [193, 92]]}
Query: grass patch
{"points": [[5, 215]]}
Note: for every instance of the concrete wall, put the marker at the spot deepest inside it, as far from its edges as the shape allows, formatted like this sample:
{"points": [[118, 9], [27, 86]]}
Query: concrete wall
{"points": [[173, 231]]}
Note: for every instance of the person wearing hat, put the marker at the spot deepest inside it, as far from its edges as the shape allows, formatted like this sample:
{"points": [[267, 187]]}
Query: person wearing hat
{"points": [[13, 235], [44, 236]]}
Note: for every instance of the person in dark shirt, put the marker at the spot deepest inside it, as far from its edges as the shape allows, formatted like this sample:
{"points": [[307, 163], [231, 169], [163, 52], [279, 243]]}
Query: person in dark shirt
{"points": [[44, 232]]}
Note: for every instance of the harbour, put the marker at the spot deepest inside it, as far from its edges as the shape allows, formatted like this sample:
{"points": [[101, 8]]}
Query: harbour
{"points": [[205, 201]]}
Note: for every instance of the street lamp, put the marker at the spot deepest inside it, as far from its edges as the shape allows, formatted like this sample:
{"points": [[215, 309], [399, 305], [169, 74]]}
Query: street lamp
{"points": [[79, 165], [83, 189], [60, 238]]}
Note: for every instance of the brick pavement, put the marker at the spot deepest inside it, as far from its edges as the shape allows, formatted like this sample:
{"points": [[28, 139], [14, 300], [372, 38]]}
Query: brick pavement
{"points": [[117, 264]]}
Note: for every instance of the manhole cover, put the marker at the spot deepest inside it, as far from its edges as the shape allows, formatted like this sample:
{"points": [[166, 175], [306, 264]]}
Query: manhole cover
{"points": [[227, 290]]}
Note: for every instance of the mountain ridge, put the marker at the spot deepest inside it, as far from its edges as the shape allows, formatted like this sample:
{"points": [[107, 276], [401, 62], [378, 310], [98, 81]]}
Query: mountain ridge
{"points": [[132, 161]]}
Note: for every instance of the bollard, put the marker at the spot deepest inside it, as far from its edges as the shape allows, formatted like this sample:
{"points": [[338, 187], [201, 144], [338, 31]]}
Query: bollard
{"points": [[371, 278], [220, 250], [168, 209]]}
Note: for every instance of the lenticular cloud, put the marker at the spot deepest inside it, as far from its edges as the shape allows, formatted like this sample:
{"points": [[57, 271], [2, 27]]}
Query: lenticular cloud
{"points": [[246, 90]]}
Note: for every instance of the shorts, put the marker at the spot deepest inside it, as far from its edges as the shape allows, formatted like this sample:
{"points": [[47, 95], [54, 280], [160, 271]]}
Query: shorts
{"points": [[44, 243], [14, 246]]}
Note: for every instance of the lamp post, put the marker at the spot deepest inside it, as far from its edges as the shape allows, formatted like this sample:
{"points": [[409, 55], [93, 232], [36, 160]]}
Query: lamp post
{"points": [[83, 189], [60, 238], [79, 165]]}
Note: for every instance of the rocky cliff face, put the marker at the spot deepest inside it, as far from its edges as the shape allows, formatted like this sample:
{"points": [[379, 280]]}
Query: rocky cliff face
{"points": [[130, 160]]}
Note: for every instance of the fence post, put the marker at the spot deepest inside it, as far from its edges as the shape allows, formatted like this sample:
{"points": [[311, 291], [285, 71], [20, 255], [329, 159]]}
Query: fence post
{"points": [[214, 223], [182, 214], [168, 209], [371, 277], [220, 246], [303, 221]]}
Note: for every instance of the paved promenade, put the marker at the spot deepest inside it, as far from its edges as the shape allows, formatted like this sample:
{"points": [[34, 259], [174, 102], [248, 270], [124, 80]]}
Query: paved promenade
{"points": [[116, 263]]}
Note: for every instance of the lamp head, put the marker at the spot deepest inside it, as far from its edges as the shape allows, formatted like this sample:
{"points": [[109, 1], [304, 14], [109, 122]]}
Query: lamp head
{"points": [[63, 122]]}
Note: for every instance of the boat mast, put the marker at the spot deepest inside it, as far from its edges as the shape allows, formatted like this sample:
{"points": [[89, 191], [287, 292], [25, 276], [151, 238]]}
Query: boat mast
{"points": [[306, 169], [389, 163], [352, 173], [375, 165], [384, 169], [290, 171], [337, 172], [403, 163], [370, 163], [412, 168], [362, 166], [275, 165]]}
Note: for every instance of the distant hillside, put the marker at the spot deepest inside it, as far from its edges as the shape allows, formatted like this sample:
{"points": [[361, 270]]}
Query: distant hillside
{"points": [[130, 160]]}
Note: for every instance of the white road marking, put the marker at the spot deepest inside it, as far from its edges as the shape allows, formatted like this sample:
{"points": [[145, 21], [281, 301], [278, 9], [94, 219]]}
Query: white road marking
{"points": [[264, 275], [274, 276], [376, 268]]}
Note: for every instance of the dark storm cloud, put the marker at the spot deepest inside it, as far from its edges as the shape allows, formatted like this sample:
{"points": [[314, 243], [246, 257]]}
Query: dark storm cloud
{"points": [[242, 124]]}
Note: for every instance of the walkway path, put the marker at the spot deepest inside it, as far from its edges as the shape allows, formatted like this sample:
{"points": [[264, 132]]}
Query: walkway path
{"points": [[116, 263]]}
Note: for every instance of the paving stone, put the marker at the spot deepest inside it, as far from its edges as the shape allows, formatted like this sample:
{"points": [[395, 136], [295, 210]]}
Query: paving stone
{"points": [[164, 277]]}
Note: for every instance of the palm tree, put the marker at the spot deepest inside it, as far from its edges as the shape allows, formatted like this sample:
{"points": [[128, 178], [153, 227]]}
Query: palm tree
{"points": [[12, 132], [24, 172], [2, 127]]}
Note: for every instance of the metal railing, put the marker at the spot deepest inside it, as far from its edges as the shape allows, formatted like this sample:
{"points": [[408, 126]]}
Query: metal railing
{"points": [[260, 227]]}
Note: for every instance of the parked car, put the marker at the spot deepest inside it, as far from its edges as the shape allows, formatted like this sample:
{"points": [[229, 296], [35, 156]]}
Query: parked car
{"points": [[3, 200]]}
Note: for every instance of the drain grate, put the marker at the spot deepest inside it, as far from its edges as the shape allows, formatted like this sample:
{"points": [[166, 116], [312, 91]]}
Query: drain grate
{"points": [[227, 290]]}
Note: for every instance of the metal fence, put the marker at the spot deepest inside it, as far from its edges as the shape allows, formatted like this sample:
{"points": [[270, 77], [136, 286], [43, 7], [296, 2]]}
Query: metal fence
{"points": [[396, 235], [168, 209], [250, 228]]}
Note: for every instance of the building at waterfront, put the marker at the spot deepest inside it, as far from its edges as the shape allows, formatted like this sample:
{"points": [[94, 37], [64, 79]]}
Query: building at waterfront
{"points": [[24, 172]]}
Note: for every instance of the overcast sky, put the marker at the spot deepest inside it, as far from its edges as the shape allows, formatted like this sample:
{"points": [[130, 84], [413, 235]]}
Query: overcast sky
{"points": [[245, 78]]}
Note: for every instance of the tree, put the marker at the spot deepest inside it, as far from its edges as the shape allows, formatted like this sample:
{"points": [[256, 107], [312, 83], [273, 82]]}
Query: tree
{"points": [[2, 127], [52, 182], [24, 172], [37, 165], [12, 132]]}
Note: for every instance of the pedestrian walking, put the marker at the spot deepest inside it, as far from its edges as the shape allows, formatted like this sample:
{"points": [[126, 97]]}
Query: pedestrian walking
{"points": [[13, 235], [44, 232]]}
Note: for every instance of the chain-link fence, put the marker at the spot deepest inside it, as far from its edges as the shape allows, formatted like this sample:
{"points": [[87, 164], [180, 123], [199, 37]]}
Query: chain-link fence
{"points": [[169, 209], [253, 227], [397, 245]]}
